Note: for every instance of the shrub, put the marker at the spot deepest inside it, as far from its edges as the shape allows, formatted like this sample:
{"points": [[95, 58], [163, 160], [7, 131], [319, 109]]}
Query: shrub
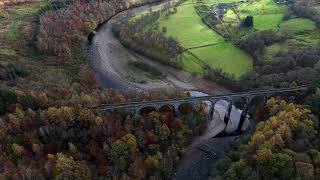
{"points": [[55, 5], [11, 71], [146, 67], [223, 163], [27, 102], [2, 106], [89, 77], [8, 96], [164, 29], [248, 22]]}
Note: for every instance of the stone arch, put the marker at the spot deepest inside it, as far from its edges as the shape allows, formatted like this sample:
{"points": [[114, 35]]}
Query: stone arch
{"points": [[167, 108], [211, 110], [204, 106], [146, 110], [185, 108], [223, 107]]}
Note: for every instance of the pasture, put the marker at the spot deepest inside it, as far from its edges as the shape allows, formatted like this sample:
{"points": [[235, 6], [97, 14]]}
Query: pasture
{"points": [[266, 13], [206, 47], [298, 25], [303, 32], [226, 56], [187, 27]]}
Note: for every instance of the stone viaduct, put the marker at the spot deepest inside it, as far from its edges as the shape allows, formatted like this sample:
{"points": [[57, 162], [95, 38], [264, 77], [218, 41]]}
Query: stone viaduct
{"points": [[175, 105]]}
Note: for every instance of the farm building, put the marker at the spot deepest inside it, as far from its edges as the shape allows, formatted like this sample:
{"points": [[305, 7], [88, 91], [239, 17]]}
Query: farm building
{"points": [[220, 9], [281, 1]]}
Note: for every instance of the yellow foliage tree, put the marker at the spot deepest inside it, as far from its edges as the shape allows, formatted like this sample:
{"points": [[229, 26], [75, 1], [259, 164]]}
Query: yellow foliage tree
{"points": [[98, 120], [62, 116], [17, 149], [77, 169], [130, 139], [277, 130]]}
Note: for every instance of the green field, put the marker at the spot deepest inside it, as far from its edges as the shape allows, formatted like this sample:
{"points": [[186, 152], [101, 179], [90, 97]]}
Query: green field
{"points": [[269, 15], [298, 25], [310, 38], [261, 7], [225, 56], [273, 50], [267, 21], [266, 13], [17, 15], [188, 28], [190, 31], [304, 33]]}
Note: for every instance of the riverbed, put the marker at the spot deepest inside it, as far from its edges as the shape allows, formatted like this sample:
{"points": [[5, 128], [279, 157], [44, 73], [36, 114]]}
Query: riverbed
{"points": [[111, 62]]}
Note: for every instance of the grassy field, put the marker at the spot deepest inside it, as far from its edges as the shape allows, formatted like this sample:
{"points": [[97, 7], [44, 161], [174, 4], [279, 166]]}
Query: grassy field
{"points": [[272, 50], [261, 7], [225, 56], [267, 21], [188, 28], [16, 17], [309, 38], [266, 13], [298, 25], [269, 15], [190, 31], [304, 33]]}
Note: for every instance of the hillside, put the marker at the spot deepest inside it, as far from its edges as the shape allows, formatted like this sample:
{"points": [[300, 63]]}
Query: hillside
{"points": [[257, 43], [283, 146], [51, 122]]}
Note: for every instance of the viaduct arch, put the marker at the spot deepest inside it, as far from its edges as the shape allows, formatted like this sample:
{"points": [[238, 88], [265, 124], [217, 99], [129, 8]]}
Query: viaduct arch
{"points": [[176, 105]]}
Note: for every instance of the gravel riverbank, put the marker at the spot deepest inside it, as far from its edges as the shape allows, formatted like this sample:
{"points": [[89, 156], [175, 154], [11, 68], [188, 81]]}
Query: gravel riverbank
{"points": [[110, 60]]}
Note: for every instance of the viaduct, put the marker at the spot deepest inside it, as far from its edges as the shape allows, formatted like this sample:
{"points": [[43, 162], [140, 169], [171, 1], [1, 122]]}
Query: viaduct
{"points": [[175, 105]]}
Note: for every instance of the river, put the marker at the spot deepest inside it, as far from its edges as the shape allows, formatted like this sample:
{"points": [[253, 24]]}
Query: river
{"points": [[110, 60]]}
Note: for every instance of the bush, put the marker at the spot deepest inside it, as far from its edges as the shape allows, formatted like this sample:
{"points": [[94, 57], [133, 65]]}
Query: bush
{"points": [[164, 29], [223, 163], [8, 96], [146, 67], [55, 5], [2, 106], [11, 71], [222, 78], [89, 77], [248, 22], [27, 102]]}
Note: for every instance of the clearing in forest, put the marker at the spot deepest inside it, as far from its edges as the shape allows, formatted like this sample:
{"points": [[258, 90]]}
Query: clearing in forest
{"points": [[16, 16]]}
